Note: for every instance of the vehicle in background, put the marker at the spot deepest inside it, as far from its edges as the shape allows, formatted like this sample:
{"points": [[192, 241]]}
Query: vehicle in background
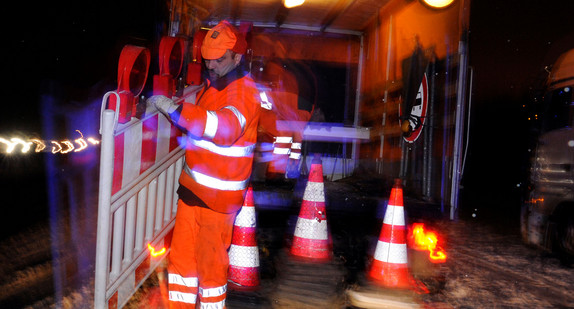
{"points": [[547, 216]]}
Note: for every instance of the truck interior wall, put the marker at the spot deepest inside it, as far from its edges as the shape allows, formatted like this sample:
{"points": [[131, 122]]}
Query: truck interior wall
{"points": [[400, 29], [332, 59]]}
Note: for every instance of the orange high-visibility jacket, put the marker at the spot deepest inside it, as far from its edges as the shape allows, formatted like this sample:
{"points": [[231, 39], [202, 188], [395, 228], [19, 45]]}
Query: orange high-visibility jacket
{"points": [[222, 133]]}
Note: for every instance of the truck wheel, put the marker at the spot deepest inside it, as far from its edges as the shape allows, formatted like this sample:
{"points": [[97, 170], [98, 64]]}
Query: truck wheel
{"points": [[565, 237], [524, 223]]}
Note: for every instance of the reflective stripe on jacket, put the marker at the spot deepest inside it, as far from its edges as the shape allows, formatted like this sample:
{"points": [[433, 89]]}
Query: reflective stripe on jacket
{"points": [[222, 133]]}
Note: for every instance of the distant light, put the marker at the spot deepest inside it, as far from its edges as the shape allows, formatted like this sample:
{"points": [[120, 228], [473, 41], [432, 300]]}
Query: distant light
{"points": [[438, 4], [292, 3]]}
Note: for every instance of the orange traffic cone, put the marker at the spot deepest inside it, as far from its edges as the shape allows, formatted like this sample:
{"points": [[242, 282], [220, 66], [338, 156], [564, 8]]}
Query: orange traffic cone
{"points": [[311, 237], [390, 265], [243, 253]]}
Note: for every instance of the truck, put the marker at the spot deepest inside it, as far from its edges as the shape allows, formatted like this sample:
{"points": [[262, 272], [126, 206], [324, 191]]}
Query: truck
{"points": [[547, 214]]}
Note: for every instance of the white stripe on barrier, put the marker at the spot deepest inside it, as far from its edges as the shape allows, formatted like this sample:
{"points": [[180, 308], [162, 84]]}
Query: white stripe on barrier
{"points": [[163, 137], [311, 229], [391, 253], [244, 256], [314, 192], [132, 153], [394, 215]]}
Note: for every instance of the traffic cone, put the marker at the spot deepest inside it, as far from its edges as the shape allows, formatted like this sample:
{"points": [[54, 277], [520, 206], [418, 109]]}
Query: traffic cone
{"points": [[311, 237], [243, 253], [390, 265]]}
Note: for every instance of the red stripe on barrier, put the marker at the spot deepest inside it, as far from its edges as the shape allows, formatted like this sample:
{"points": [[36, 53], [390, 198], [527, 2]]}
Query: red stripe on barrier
{"points": [[113, 301], [142, 270], [393, 234], [118, 163], [244, 236], [149, 142], [175, 135]]}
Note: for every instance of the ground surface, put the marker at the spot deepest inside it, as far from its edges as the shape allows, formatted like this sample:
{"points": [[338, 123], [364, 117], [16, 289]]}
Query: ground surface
{"points": [[488, 266]]}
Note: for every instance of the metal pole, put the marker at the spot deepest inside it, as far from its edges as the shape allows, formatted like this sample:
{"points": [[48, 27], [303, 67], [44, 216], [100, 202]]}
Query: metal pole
{"points": [[104, 202], [459, 129], [355, 151]]}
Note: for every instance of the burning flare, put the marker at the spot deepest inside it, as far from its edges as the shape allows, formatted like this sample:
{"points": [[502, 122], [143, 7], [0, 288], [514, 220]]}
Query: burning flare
{"points": [[155, 253], [426, 240]]}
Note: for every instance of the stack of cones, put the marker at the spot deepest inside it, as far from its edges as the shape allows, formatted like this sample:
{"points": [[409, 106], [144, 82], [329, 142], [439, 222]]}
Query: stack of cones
{"points": [[244, 254], [311, 237], [390, 265]]}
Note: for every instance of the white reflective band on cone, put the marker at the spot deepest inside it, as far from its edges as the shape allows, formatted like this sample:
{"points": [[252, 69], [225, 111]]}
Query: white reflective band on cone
{"points": [[244, 256], [188, 298], [311, 229], [246, 217], [394, 215], [391, 253], [314, 192]]}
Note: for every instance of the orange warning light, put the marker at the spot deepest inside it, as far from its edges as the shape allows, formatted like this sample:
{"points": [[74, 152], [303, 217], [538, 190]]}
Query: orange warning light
{"points": [[426, 240], [155, 253]]}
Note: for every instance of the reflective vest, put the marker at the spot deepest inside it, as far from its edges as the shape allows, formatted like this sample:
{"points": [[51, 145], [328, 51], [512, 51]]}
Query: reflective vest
{"points": [[221, 130]]}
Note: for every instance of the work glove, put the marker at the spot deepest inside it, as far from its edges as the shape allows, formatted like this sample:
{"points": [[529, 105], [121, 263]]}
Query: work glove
{"points": [[163, 104]]}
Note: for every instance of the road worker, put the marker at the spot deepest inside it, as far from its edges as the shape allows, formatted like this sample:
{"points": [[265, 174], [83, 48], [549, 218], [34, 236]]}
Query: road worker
{"points": [[221, 130], [288, 99]]}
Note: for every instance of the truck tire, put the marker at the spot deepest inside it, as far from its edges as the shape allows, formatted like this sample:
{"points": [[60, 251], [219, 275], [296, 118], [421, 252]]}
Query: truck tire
{"points": [[564, 239], [524, 223]]}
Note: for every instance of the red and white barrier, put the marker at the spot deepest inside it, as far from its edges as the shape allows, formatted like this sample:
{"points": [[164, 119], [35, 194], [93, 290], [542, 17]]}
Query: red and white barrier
{"points": [[140, 165], [140, 145]]}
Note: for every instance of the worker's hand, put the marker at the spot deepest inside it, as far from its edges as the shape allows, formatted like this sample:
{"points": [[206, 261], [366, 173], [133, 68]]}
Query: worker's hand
{"points": [[163, 104]]}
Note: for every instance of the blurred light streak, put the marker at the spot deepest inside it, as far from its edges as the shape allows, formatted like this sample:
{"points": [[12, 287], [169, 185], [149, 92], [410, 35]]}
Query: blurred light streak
{"points": [[63, 147], [39, 144]]}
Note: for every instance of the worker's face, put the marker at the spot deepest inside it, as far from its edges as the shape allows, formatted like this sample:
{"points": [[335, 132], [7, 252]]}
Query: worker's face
{"points": [[219, 67]]}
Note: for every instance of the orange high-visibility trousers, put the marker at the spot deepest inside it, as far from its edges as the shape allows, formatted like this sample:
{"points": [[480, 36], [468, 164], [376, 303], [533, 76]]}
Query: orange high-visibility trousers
{"points": [[198, 260]]}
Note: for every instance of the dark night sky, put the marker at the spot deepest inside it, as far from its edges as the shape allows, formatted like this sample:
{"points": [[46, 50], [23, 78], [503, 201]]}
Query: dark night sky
{"points": [[511, 42]]}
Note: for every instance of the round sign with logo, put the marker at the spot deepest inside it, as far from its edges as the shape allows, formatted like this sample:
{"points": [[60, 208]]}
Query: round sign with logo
{"points": [[418, 112]]}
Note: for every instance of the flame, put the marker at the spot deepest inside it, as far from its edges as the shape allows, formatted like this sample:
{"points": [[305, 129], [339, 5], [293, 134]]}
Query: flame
{"points": [[427, 240], [65, 146], [155, 253]]}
